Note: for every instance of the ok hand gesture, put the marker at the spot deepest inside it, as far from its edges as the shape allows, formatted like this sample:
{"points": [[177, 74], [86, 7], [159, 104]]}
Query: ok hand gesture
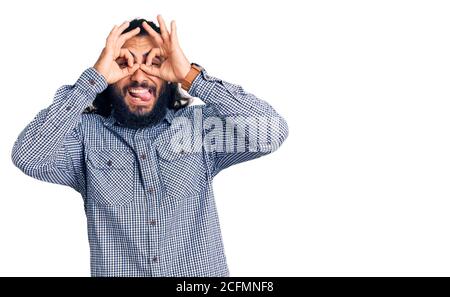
{"points": [[172, 65], [106, 63]]}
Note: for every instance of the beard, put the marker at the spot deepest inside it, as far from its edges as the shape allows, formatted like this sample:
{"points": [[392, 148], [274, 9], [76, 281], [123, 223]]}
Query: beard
{"points": [[135, 120]]}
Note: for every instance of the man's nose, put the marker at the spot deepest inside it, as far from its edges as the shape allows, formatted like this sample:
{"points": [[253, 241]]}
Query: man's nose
{"points": [[139, 76]]}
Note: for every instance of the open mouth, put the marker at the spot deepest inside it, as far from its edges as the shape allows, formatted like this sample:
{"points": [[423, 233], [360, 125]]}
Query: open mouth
{"points": [[141, 95]]}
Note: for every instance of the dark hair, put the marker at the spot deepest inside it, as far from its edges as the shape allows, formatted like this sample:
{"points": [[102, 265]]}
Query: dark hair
{"points": [[138, 23], [102, 104]]}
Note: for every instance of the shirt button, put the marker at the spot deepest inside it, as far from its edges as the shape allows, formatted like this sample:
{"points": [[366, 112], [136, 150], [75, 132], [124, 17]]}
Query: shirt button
{"points": [[109, 163], [91, 81], [153, 222], [150, 190], [155, 259], [68, 108], [143, 156]]}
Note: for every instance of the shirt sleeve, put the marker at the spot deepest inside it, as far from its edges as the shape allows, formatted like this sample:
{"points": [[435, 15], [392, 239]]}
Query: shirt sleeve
{"points": [[49, 148], [249, 126]]}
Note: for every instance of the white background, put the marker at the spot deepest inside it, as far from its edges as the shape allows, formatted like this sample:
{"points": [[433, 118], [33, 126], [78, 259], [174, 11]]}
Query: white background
{"points": [[360, 187]]}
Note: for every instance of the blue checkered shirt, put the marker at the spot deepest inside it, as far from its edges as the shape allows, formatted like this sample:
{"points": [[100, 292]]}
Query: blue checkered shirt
{"points": [[150, 208]]}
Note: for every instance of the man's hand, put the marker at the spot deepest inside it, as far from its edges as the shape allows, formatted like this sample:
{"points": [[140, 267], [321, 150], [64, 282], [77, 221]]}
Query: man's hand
{"points": [[171, 63], [106, 63]]}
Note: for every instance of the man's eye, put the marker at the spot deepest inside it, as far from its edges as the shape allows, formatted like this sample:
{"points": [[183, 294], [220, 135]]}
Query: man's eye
{"points": [[122, 64], [156, 62]]}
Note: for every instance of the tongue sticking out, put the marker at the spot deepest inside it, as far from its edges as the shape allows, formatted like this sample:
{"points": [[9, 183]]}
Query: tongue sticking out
{"points": [[145, 96]]}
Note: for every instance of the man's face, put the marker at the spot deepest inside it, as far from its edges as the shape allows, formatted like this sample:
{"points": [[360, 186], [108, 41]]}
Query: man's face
{"points": [[139, 91]]}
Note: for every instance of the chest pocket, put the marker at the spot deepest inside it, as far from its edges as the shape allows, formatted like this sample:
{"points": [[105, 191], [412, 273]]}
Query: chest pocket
{"points": [[111, 176], [183, 173]]}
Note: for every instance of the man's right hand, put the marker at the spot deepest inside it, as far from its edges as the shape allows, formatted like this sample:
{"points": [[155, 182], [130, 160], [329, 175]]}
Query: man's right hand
{"points": [[106, 63]]}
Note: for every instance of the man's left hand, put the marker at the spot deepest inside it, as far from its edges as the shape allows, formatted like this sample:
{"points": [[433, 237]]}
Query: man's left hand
{"points": [[173, 65]]}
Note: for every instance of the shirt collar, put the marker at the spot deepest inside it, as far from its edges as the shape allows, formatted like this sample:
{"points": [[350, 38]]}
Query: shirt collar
{"points": [[110, 120]]}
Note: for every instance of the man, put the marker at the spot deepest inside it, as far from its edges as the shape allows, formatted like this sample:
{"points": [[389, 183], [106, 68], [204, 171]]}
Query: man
{"points": [[142, 158]]}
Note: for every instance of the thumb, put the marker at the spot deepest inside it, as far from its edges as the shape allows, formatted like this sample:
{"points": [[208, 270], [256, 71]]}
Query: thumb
{"points": [[130, 70], [151, 70]]}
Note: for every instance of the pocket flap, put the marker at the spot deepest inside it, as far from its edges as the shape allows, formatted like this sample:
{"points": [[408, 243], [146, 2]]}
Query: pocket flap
{"points": [[111, 159], [169, 153]]}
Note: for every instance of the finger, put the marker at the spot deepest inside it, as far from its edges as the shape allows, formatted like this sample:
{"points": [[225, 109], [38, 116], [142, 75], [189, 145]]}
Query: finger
{"points": [[127, 55], [153, 34], [162, 26], [173, 33], [150, 70], [130, 34], [154, 52], [110, 38], [124, 37], [118, 30], [123, 27], [129, 70]]}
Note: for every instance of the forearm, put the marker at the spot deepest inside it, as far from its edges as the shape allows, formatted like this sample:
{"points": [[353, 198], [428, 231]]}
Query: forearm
{"points": [[44, 135], [227, 98], [239, 108]]}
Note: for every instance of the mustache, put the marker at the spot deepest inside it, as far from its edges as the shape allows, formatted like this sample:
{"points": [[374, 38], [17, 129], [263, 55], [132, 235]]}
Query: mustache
{"points": [[143, 85]]}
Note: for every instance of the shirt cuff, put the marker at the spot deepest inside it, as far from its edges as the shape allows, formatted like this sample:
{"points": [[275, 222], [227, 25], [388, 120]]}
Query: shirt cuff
{"points": [[202, 85], [91, 82]]}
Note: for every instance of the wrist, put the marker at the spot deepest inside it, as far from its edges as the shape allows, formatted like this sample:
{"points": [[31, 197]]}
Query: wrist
{"points": [[184, 72], [100, 71], [194, 71]]}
